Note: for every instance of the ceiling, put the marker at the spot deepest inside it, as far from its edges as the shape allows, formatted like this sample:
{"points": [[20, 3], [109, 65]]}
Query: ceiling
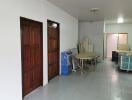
{"points": [[109, 10]]}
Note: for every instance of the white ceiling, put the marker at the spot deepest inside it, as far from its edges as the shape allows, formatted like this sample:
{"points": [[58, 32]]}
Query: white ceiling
{"points": [[108, 9]]}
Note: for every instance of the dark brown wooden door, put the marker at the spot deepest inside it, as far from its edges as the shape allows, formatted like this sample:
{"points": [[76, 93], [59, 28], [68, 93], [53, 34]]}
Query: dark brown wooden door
{"points": [[32, 54], [53, 49]]}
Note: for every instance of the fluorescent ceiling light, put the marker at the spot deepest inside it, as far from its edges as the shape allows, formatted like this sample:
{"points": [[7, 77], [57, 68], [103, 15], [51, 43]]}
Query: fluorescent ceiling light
{"points": [[120, 20]]}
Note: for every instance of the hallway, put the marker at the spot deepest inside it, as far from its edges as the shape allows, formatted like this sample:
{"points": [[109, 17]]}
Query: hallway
{"points": [[105, 83]]}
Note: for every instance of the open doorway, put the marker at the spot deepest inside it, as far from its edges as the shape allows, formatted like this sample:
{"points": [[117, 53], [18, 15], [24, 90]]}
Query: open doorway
{"points": [[113, 42]]}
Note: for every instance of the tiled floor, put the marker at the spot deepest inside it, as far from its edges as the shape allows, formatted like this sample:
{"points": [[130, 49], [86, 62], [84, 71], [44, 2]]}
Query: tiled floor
{"points": [[105, 83]]}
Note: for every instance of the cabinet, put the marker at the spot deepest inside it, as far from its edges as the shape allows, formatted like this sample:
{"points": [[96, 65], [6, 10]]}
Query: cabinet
{"points": [[115, 56]]}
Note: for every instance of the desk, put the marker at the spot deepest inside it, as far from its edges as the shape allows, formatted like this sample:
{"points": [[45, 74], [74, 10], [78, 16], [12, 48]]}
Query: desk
{"points": [[117, 53], [85, 56]]}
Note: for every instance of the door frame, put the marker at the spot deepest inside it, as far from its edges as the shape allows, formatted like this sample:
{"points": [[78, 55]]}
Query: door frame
{"points": [[58, 25], [22, 72]]}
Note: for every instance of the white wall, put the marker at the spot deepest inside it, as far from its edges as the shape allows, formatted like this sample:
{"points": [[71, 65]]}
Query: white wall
{"points": [[95, 33], [10, 48], [120, 28]]}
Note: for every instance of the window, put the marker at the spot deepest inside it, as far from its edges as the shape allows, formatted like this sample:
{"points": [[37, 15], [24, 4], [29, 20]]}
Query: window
{"points": [[122, 38]]}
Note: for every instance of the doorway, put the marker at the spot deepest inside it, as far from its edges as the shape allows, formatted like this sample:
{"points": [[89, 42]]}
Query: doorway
{"points": [[32, 54], [53, 48], [111, 43], [114, 41]]}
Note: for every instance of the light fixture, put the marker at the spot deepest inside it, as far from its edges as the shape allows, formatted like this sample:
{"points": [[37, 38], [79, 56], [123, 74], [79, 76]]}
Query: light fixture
{"points": [[93, 15], [120, 20], [54, 25], [94, 10]]}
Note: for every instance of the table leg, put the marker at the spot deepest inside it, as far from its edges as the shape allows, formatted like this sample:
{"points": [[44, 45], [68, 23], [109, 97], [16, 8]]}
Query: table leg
{"points": [[82, 64], [73, 64]]}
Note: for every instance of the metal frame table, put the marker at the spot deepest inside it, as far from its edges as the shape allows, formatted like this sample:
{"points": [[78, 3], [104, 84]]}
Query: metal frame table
{"points": [[85, 56]]}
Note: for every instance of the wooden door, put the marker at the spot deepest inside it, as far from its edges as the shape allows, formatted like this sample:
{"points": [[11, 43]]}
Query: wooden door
{"points": [[32, 54], [53, 49]]}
